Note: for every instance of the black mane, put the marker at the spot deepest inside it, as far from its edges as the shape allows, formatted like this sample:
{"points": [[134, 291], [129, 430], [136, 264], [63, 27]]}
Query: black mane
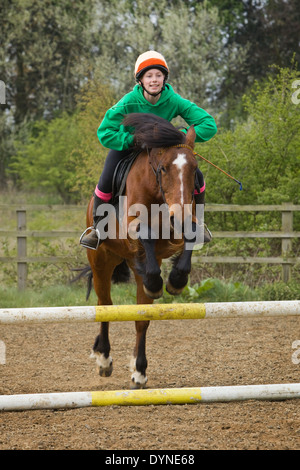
{"points": [[153, 131]]}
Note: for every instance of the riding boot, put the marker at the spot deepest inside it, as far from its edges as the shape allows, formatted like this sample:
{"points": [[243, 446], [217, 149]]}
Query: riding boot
{"points": [[199, 200], [92, 240]]}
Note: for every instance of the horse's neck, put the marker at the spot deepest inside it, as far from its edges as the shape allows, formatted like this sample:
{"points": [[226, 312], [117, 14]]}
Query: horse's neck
{"points": [[142, 186]]}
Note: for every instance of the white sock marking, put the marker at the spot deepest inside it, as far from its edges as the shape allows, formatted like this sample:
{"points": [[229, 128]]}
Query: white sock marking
{"points": [[101, 360], [136, 376]]}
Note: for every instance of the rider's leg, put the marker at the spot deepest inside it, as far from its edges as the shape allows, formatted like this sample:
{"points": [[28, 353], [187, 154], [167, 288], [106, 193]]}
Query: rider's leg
{"points": [[102, 195]]}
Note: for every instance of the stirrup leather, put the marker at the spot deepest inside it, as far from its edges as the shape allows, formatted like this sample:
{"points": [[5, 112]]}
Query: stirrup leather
{"points": [[82, 235]]}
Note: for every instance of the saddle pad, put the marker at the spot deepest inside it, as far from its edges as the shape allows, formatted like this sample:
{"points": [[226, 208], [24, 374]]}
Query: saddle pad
{"points": [[120, 175]]}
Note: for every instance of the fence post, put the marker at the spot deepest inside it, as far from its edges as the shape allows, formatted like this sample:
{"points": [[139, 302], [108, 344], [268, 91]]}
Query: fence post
{"points": [[286, 243], [21, 249]]}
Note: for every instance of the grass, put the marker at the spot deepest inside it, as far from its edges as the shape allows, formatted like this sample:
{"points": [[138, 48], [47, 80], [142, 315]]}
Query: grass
{"points": [[57, 296], [209, 290], [71, 295]]}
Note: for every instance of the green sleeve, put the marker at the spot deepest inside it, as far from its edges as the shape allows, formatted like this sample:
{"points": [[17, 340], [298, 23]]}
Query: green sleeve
{"points": [[112, 134], [205, 126]]}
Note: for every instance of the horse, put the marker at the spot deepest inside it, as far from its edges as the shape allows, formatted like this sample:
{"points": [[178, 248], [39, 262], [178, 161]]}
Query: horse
{"points": [[162, 175]]}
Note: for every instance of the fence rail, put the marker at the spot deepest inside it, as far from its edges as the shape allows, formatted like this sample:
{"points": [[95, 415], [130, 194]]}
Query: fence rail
{"points": [[286, 260]]}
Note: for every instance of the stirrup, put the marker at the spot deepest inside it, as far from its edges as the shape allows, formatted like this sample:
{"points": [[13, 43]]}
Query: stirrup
{"points": [[82, 235], [208, 231]]}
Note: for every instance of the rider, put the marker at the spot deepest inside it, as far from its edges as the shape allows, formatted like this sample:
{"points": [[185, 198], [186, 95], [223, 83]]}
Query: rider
{"points": [[153, 95]]}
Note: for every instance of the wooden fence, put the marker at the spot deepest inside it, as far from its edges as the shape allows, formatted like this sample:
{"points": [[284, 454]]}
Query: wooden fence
{"points": [[286, 234]]}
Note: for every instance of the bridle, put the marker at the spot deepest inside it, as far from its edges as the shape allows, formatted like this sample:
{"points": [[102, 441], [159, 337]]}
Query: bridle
{"points": [[158, 171]]}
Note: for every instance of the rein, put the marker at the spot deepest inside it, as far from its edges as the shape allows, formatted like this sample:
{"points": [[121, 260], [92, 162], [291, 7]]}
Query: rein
{"points": [[207, 161], [157, 172]]}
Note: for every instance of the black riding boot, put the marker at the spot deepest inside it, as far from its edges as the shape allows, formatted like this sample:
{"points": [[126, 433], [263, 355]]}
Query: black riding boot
{"points": [[92, 240], [199, 199]]}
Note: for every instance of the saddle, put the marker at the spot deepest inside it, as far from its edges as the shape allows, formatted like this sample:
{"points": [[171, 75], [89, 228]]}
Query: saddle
{"points": [[120, 176]]}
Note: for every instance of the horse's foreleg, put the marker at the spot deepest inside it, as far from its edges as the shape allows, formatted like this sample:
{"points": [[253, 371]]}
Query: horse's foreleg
{"points": [[178, 277], [150, 270], [139, 362]]}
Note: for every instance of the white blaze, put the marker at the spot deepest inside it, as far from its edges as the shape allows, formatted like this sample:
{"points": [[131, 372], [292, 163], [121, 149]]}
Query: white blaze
{"points": [[180, 161]]}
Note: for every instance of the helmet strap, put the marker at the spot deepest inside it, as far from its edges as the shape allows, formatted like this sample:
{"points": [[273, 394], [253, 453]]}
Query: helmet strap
{"points": [[153, 94]]}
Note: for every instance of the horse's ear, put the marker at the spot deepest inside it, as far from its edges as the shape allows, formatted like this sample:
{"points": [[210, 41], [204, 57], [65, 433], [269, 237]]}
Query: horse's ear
{"points": [[190, 136]]}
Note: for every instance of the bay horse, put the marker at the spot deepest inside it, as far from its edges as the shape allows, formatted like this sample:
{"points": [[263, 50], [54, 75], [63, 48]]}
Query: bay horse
{"points": [[162, 174]]}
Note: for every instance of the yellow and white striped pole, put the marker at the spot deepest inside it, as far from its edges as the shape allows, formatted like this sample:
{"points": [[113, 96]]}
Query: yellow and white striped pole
{"points": [[176, 396], [107, 313]]}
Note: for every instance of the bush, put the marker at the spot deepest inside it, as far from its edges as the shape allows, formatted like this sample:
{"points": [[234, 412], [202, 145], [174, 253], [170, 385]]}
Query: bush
{"points": [[280, 291], [64, 156], [262, 152], [213, 290]]}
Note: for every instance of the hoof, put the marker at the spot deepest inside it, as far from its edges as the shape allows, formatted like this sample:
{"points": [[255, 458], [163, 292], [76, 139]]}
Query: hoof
{"points": [[138, 380], [153, 295], [105, 371], [172, 290], [137, 385], [105, 364]]}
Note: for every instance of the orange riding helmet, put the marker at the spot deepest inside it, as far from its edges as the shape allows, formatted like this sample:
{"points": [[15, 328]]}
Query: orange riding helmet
{"points": [[150, 60]]}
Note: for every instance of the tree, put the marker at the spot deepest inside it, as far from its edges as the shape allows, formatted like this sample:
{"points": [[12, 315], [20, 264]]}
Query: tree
{"points": [[43, 161], [87, 158], [64, 156], [263, 152], [189, 35], [44, 59], [268, 31], [44, 54]]}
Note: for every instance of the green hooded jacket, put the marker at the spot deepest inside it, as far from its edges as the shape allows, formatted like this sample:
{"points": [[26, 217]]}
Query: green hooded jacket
{"points": [[113, 135]]}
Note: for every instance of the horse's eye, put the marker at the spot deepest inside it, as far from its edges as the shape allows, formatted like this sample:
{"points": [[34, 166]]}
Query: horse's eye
{"points": [[163, 169]]}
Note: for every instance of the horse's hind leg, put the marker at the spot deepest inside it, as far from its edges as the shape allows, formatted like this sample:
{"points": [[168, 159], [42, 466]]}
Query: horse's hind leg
{"points": [[139, 362], [101, 349]]}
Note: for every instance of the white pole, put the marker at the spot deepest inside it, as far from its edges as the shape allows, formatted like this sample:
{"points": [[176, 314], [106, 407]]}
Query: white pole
{"points": [[149, 397], [253, 309], [43, 401], [47, 314], [135, 312]]}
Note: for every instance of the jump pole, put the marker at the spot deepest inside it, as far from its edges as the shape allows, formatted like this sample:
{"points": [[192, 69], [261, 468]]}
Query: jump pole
{"points": [[176, 396], [107, 313]]}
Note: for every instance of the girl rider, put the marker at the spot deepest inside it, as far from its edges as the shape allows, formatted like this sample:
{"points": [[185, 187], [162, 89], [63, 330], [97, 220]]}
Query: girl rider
{"points": [[151, 95]]}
